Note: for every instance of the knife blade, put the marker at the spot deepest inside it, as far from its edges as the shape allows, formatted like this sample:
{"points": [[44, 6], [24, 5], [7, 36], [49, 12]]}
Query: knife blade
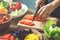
{"points": [[35, 14]]}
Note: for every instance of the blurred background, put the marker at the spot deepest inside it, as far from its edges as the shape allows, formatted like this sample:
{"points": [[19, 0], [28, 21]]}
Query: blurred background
{"points": [[30, 3]]}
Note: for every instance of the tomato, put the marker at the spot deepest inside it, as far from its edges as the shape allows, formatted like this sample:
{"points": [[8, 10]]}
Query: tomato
{"points": [[3, 39], [30, 17], [37, 19], [26, 22], [15, 6], [31, 24], [21, 21], [3, 19], [12, 37], [5, 36], [18, 5], [7, 18]]}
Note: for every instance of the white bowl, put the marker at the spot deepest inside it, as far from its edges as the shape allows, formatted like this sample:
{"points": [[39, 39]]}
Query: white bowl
{"points": [[21, 14]]}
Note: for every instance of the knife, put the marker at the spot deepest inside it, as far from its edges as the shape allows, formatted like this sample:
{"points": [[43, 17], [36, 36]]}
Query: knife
{"points": [[35, 14]]}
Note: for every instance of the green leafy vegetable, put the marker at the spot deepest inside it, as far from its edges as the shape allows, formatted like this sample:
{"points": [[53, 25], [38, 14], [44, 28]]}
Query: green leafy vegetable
{"points": [[5, 4], [52, 31], [17, 12]]}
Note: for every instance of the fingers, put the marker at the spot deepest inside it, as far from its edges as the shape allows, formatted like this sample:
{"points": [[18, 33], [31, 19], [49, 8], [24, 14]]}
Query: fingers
{"points": [[39, 3], [42, 13], [38, 13]]}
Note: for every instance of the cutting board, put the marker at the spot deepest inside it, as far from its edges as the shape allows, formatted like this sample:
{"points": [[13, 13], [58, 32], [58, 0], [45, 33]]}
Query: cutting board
{"points": [[38, 25]]}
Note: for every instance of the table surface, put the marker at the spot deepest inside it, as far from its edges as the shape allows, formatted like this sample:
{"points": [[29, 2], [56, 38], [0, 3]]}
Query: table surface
{"points": [[14, 26]]}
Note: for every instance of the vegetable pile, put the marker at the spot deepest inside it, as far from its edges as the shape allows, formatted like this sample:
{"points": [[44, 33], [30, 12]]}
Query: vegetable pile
{"points": [[15, 6], [26, 22], [17, 12], [7, 36], [3, 10], [3, 18], [30, 17], [18, 34], [22, 34], [4, 7], [16, 9], [52, 31]]}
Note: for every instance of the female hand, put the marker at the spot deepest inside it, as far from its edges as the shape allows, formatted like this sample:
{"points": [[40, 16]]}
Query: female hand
{"points": [[39, 3], [46, 10]]}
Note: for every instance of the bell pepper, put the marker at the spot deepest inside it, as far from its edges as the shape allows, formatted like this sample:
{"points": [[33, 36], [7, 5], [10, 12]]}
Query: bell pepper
{"points": [[32, 37], [15, 6], [5, 4]]}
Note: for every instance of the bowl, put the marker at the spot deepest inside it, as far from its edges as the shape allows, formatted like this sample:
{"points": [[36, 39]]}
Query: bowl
{"points": [[20, 12], [5, 21]]}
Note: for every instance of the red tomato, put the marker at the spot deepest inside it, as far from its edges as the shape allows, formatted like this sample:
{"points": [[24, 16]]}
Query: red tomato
{"points": [[3, 39], [5, 36], [12, 37], [3, 19], [37, 19], [30, 17], [31, 24], [7, 18], [15, 6], [18, 5], [27, 22]]}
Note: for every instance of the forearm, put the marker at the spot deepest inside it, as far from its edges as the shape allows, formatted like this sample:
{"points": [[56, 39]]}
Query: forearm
{"points": [[55, 3]]}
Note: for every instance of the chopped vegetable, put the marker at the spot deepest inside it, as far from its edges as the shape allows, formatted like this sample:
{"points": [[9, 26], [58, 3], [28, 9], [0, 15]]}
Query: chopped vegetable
{"points": [[15, 6], [5, 4], [3, 19], [17, 12], [7, 37], [26, 22], [30, 17]]}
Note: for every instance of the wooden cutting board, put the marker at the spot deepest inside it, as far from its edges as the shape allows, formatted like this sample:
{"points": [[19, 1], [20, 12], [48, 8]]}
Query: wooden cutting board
{"points": [[38, 25]]}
